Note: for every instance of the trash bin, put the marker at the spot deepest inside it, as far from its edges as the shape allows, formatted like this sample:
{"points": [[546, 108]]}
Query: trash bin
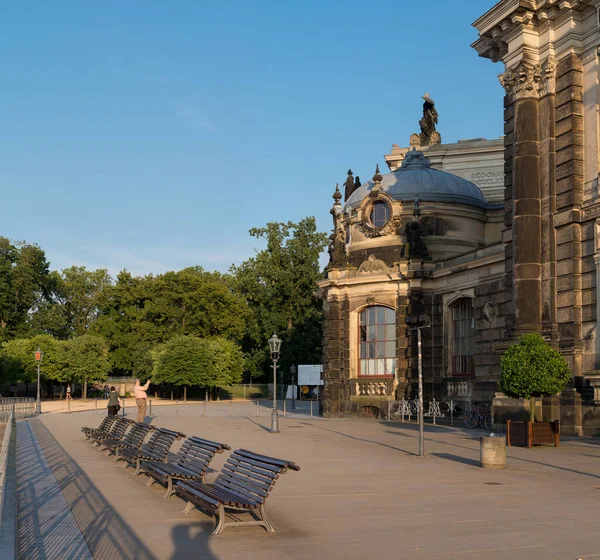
{"points": [[493, 452]]}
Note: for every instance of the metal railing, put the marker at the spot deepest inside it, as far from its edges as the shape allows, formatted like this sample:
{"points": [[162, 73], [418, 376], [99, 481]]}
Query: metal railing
{"points": [[22, 407], [8, 491]]}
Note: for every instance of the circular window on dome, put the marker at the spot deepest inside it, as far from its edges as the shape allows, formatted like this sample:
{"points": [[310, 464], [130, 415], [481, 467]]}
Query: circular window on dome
{"points": [[380, 214]]}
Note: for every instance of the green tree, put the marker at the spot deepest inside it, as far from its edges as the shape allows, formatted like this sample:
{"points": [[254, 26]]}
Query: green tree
{"points": [[532, 368], [19, 357], [24, 284], [279, 284], [86, 360], [191, 361]]}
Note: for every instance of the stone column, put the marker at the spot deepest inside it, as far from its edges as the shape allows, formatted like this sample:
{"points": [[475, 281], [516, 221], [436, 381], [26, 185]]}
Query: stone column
{"points": [[525, 85]]}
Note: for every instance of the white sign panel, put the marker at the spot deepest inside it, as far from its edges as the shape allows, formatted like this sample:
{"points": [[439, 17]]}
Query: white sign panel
{"points": [[310, 375]]}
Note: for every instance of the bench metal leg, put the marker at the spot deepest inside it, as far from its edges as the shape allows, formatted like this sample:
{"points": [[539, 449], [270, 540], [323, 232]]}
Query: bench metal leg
{"points": [[116, 459], [138, 467], [189, 507], [268, 524], [170, 490], [151, 480], [220, 515]]}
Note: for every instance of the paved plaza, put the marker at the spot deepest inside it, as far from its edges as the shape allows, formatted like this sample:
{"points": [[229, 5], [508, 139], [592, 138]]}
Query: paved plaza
{"points": [[362, 493]]}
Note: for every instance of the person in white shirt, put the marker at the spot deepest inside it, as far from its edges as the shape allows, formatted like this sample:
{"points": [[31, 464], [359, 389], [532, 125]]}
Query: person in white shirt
{"points": [[139, 391]]}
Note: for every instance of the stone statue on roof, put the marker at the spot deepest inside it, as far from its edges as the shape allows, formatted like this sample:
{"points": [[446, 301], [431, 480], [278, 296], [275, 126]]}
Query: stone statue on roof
{"points": [[349, 185], [429, 135]]}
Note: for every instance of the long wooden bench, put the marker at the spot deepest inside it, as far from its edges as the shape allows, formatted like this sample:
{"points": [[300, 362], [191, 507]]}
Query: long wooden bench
{"points": [[116, 431], [244, 484], [104, 427], [157, 449], [189, 463], [134, 438]]}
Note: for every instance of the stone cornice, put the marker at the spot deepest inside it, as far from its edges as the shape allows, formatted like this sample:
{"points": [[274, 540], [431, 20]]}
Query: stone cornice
{"points": [[507, 16]]}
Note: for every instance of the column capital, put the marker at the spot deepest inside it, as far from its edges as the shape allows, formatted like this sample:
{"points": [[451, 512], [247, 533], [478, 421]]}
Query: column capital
{"points": [[529, 80]]}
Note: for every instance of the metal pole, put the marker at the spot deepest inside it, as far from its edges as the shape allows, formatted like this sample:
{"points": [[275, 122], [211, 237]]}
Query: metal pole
{"points": [[311, 407], [177, 407], [274, 414], [294, 391], [96, 409], [38, 402], [230, 408], [68, 406], [204, 408], [123, 414], [257, 406], [421, 427], [284, 408], [150, 401]]}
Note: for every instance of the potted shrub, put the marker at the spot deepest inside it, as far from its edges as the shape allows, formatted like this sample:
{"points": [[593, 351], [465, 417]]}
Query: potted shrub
{"points": [[531, 369]]}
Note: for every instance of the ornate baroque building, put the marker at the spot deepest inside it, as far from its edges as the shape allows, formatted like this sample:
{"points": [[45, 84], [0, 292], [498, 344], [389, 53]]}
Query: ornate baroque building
{"points": [[421, 240]]}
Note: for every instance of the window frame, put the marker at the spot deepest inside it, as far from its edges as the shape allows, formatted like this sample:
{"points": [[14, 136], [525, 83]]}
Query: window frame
{"points": [[385, 341], [458, 326]]}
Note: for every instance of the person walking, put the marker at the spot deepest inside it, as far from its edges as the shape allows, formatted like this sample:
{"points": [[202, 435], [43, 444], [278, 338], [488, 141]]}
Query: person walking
{"points": [[69, 397], [113, 402], [139, 391]]}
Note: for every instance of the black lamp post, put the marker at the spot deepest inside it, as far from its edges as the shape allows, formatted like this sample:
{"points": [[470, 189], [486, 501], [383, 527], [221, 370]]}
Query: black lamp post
{"points": [[418, 322], [38, 358], [274, 346], [293, 372]]}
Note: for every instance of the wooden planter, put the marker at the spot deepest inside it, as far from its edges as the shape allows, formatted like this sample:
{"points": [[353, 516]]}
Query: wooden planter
{"points": [[528, 434]]}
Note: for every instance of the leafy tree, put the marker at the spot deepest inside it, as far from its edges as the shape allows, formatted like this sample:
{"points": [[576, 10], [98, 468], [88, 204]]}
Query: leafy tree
{"points": [[86, 360], [532, 368], [19, 358], [279, 284], [205, 362], [24, 283]]}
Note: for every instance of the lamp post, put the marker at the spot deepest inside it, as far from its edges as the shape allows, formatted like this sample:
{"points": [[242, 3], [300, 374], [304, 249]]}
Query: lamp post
{"points": [[418, 322], [38, 358], [293, 372], [274, 346]]}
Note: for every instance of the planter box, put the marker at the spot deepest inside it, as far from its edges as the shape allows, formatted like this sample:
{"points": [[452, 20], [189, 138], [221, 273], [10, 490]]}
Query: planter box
{"points": [[528, 434]]}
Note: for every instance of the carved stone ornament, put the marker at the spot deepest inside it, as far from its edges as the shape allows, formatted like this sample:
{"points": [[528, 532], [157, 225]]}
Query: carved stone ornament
{"points": [[489, 311], [372, 265], [528, 80], [369, 230]]}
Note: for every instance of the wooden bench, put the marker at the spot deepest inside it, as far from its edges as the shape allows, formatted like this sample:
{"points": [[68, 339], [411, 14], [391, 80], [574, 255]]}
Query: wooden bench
{"points": [[189, 463], [134, 438], [116, 431], [244, 484], [104, 427], [157, 449]]}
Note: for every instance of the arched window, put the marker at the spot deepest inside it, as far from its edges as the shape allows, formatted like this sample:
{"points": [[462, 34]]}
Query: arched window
{"points": [[377, 340], [463, 330], [380, 214]]}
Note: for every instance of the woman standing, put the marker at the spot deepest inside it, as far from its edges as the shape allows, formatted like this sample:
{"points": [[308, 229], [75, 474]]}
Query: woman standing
{"points": [[113, 402]]}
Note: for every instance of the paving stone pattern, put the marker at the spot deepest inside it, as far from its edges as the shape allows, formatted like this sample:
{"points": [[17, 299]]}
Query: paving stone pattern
{"points": [[362, 492]]}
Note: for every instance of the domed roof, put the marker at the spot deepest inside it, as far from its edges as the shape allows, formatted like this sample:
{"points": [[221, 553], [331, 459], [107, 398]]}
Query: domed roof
{"points": [[416, 178]]}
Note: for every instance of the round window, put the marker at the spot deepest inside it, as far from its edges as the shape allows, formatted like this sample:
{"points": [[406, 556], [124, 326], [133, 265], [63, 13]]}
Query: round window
{"points": [[380, 214]]}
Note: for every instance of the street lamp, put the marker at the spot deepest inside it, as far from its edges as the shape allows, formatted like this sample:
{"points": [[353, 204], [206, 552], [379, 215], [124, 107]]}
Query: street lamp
{"points": [[418, 322], [274, 346], [38, 358], [293, 372]]}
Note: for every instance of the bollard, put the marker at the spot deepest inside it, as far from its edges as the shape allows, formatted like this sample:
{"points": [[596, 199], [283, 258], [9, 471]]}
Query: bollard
{"points": [[311, 408], [257, 407], [150, 401], [177, 407], [69, 406], [204, 408], [492, 452], [123, 407], [230, 408], [244, 392], [96, 411], [284, 408], [433, 412]]}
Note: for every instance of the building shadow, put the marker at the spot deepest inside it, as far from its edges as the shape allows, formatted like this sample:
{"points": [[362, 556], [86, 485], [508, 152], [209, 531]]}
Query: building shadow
{"points": [[457, 459], [106, 533], [190, 546]]}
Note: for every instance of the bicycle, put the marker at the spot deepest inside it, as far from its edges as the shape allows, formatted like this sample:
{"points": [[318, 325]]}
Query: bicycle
{"points": [[474, 416]]}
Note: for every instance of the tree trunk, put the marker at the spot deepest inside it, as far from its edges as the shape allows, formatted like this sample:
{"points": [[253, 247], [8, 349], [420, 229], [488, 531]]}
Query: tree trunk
{"points": [[84, 388], [184, 393], [532, 410]]}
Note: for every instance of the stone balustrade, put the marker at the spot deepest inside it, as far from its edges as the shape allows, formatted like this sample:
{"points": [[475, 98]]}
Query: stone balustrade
{"points": [[373, 388], [459, 389]]}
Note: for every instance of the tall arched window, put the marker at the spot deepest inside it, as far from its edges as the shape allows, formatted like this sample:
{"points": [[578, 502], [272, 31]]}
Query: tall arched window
{"points": [[463, 330], [377, 340]]}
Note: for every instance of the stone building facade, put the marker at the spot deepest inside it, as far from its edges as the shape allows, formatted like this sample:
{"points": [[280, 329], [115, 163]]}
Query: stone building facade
{"points": [[484, 272]]}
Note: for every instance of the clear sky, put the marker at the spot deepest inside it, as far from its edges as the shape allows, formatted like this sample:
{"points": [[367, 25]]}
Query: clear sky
{"points": [[153, 135]]}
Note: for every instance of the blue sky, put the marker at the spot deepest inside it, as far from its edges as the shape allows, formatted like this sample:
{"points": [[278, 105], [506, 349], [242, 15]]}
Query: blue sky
{"points": [[153, 135]]}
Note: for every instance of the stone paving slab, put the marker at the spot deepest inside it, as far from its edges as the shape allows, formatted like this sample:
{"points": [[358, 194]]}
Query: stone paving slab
{"points": [[362, 491]]}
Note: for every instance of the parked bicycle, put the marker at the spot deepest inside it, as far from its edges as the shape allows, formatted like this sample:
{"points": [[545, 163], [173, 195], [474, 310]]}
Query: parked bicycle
{"points": [[476, 414]]}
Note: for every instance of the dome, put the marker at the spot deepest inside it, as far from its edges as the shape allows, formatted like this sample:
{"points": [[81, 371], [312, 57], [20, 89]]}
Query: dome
{"points": [[416, 178]]}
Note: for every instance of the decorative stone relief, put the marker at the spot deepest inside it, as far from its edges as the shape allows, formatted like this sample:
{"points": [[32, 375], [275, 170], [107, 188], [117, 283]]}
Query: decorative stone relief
{"points": [[369, 230], [527, 80], [372, 265]]}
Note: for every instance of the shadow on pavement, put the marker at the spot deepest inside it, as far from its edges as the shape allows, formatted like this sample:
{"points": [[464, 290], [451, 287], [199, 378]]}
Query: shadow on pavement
{"points": [[189, 546], [104, 530], [457, 459]]}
